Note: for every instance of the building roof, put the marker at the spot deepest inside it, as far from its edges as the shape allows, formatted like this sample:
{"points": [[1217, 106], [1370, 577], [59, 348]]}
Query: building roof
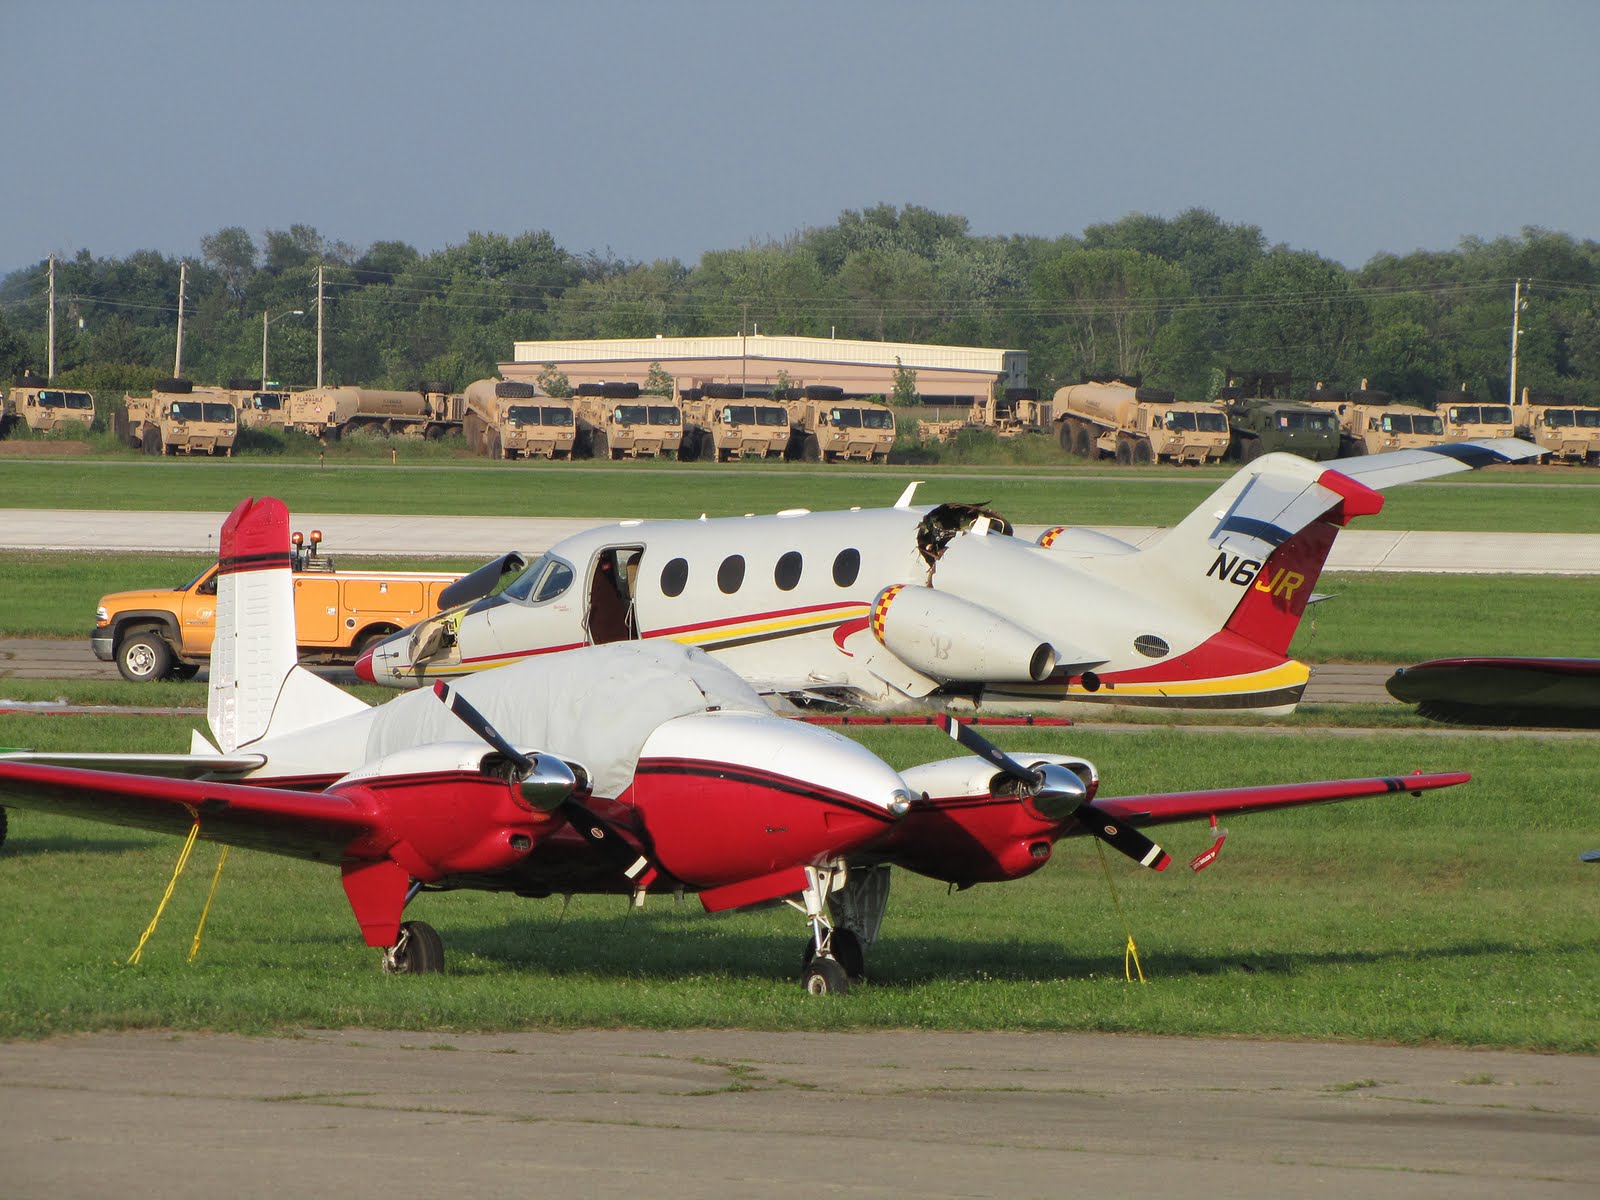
{"points": [[805, 349]]}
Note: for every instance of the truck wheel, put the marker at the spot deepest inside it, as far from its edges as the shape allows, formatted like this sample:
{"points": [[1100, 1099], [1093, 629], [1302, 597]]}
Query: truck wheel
{"points": [[1066, 434], [184, 670], [811, 449], [152, 442], [1249, 449], [1143, 455], [1351, 447], [495, 450], [599, 445], [1124, 453], [144, 656], [1083, 441]]}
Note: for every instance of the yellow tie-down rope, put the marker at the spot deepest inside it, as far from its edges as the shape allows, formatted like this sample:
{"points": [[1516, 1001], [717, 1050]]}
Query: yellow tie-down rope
{"points": [[172, 884], [1130, 956]]}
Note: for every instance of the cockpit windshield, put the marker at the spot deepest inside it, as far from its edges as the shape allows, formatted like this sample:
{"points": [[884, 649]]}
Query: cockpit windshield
{"points": [[543, 579]]}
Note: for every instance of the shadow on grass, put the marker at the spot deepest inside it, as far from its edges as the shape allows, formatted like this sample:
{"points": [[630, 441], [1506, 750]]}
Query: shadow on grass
{"points": [[675, 947], [22, 847]]}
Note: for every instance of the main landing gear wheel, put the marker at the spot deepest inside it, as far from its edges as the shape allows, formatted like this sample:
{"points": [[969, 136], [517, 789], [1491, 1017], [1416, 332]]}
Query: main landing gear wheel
{"points": [[825, 977], [420, 951], [845, 949]]}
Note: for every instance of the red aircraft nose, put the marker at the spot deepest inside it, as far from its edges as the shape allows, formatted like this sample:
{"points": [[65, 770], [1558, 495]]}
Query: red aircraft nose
{"points": [[364, 666]]}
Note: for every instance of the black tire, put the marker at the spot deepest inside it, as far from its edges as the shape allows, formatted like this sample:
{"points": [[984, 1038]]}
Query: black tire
{"points": [[1143, 454], [144, 656], [515, 389], [1083, 442], [185, 670], [723, 391], [420, 951], [152, 442], [1124, 453], [1066, 435], [432, 385], [368, 638], [825, 977], [1350, 447], [173, 387], [2, 827], [1249, 449], [599, 445], [810, 448], [847, 952], [620, 391], [824, 391], [494, 448]]}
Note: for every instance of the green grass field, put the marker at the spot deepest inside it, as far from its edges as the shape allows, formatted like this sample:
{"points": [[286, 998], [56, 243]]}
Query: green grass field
{"points": [[1487, 500], [1461, 917]]}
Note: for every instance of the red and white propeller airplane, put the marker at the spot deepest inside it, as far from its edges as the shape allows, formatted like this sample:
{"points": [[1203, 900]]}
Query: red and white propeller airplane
{"points": [[941, 605], [637, 767]]}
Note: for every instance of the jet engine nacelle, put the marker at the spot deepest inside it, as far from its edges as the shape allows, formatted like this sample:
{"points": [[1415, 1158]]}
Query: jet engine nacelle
{"points": [[955, 640]]}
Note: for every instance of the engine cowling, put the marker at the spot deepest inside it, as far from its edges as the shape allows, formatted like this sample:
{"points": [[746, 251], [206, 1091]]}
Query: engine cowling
{"points": [[954, 640]]}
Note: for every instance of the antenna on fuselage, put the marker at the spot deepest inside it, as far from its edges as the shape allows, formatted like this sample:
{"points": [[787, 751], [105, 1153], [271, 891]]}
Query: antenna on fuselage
{"points": [[905, 496]]}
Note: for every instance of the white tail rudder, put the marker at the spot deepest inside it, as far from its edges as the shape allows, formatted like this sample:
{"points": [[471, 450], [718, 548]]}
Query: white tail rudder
{"points": [[256, 685]]}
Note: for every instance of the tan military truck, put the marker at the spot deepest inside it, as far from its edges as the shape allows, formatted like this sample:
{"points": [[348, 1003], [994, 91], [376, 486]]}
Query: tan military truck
{"points": [[179, 418], [1466, 420], [167, 632], [1137, 425], [1371, 422], [1013, 413], [721, 423], [615, 421], [509, 419], [34, 405], [329, 413], [1563, 430], [259, 409], [825, 425]]}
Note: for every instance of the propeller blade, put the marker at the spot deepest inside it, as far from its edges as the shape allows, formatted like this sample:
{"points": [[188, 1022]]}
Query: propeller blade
{"points": [[974, 741], [1122, 837], [481, 582], [1059, 794], [479, 724], [548, 783]]}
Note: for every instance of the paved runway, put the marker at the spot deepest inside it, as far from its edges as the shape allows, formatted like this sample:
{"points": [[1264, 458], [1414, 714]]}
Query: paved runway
{"points": [[361, 1114], [472, 537]]}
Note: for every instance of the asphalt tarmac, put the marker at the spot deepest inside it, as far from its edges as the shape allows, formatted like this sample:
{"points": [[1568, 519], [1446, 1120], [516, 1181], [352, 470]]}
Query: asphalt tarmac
{"points": [[361, 1114], [473, 537]]}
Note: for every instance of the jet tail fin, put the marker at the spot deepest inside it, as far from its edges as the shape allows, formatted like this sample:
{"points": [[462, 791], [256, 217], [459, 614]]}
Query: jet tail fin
{"points": [[257, 686]]}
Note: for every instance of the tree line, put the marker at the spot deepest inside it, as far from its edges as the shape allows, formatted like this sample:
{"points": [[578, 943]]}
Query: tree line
{"points": [[1180, 302]]}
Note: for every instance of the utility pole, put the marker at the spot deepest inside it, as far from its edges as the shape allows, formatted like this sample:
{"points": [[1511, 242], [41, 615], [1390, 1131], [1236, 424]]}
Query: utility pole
{"points": [[319, 327], [1516, 335], [177, 357], [50, 371]]}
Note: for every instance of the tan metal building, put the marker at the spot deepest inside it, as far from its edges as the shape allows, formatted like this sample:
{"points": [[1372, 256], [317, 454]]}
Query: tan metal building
{"points": [[945, 374]]}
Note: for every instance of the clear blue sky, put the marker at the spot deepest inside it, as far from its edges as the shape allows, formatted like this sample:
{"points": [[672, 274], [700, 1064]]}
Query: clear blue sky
{"points": [[665, 129]]}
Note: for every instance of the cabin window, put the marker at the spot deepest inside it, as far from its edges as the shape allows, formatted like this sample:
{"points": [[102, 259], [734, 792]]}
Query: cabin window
{"points": [[674, 576], [730, 575], [846, 567], [787, 573]]}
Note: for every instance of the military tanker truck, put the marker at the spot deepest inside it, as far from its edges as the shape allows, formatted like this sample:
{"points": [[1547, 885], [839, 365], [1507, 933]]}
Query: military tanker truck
{"points": [[509, 419], [34, 405], [1137, 425], [179, 418], [329, 413], [615, 421], [721, 422]]}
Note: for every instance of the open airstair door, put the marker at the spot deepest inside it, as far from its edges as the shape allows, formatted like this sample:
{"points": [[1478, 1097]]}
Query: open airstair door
{"points": [[609, 614]]}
